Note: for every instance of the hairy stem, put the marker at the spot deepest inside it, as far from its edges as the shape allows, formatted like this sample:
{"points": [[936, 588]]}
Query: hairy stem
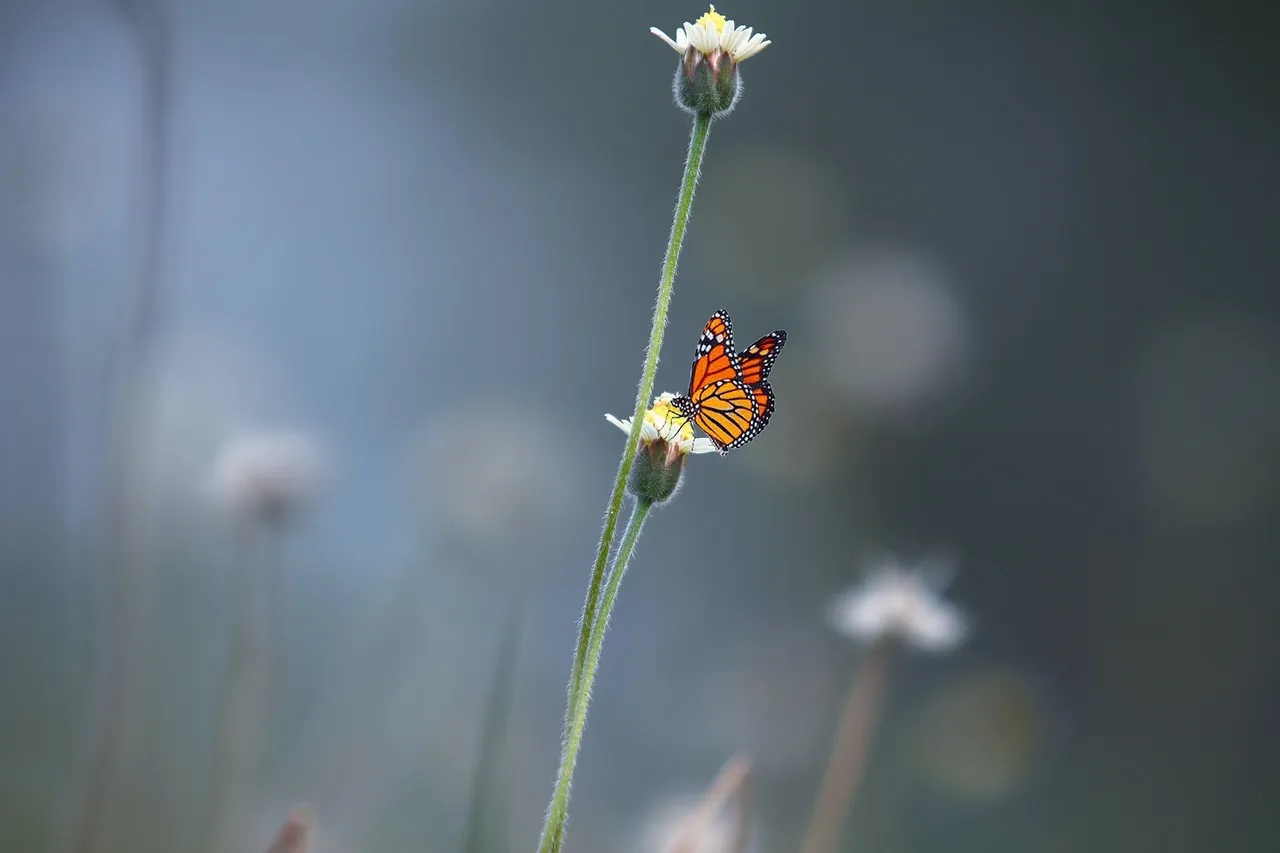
{"points": [[692, 167], [552, 834]]}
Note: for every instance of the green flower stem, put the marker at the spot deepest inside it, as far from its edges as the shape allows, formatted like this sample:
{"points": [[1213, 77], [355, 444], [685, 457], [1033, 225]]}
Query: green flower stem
{"points": [[553, 835], [692, 167]]}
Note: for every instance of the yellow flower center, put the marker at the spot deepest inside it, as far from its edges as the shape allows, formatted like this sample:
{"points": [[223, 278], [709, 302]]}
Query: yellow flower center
{"points": [[663, 417], [713, 17]]}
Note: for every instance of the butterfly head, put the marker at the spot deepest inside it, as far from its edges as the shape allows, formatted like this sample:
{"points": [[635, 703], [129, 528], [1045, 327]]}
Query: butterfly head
{"points": [[670, 418]]}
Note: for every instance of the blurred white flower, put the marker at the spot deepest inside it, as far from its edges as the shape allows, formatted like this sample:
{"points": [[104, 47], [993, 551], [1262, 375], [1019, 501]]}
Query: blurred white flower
{"points": [[712, 33], [268, 477], [663, 423], [785, 211], [900, 603], [668, 831], [296, 834], [492, 479], [199, 392], [892, 329]]}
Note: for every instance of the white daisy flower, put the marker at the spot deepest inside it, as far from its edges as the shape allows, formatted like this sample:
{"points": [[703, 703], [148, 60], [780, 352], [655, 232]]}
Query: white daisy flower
{"points": [[663, 423], [666, 440], [893, 601], [711, 33]]}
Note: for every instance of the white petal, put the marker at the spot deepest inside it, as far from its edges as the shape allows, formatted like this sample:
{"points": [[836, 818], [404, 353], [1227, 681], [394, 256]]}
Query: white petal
{"points": [[674, 44], [757, 44], [703, 38], [726, 33], [703, 445], [894, 601], [938, 628], [731, 39], [690, 35], [624, 425]]}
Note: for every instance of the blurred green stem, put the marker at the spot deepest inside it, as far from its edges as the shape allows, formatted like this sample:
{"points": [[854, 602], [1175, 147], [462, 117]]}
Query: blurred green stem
{"points": [[851, 749], [126, 431], [487, 823], [553, 834], [243, 715], [579, 686]]}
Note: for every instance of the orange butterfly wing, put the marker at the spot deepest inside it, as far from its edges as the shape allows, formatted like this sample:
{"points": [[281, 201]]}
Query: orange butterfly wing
{"points": [[762, 396], [726, 412], [714, 359], [755, 362]]}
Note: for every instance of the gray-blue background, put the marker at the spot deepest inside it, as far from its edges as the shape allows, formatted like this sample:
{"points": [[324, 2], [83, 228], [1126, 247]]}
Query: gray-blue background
{"points": [[1026, 255]]}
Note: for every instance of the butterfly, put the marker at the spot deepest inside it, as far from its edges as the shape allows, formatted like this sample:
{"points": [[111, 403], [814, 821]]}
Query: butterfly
{"points": [[729, 397]]}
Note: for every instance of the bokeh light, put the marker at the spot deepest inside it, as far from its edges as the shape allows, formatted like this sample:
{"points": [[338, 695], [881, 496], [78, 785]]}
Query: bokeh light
{"points": [[983, 735], [892, 330], [769, 217], [496, 470], [1210, 415]]}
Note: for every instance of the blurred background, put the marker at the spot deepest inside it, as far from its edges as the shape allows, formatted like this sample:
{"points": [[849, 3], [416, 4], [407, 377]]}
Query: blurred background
{"points": [[1025, 252]]}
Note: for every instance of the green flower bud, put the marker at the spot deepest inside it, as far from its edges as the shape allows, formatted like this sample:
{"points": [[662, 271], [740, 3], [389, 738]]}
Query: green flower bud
{"points": [[655, 476], [706, 84], [666, 440]]}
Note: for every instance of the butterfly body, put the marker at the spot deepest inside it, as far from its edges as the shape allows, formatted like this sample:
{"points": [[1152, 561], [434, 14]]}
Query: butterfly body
{"points": [[729, 397]]}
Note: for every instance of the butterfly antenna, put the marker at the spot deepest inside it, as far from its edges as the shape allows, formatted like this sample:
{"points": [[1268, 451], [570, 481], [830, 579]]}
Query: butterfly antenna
{"points": [[684, 419]]}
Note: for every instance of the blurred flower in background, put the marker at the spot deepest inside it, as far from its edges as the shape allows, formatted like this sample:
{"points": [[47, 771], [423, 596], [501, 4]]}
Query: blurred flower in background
{"points": [[268, 477], [720, 821], [203, 393], [784, 212], [895, 602], [892, 608], [667, 830], [493, 472], [891, 330]]}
